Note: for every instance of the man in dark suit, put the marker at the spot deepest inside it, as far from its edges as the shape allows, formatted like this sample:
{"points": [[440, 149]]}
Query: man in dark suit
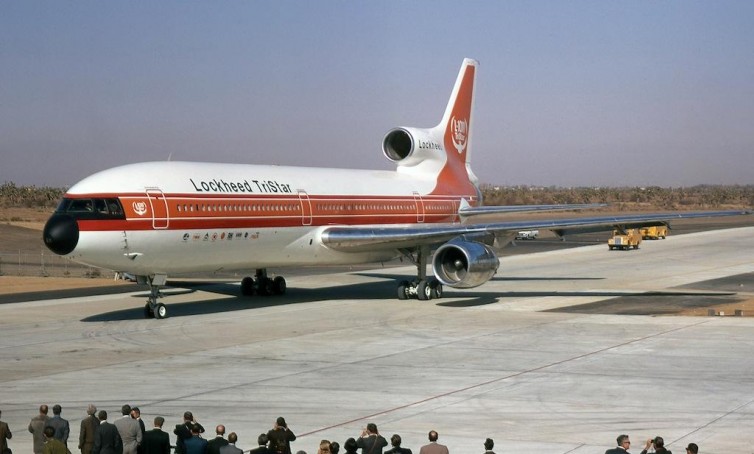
{"points": [[62, 429], [5, 435], [106, 438], [395, 442], [623, 444], [156, 441], [231, 448], [183, 431], [488, 445], [280, 437], [371, 442], [136, 414], [214, 445], [262, 448], [89, 425], [196, 444], [433, 447]]}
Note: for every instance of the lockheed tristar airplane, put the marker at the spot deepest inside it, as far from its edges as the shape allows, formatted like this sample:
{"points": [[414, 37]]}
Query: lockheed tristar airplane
{"points": [[155, 219]]}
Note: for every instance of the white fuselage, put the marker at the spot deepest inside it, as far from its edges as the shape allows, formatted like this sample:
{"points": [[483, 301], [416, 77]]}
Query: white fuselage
{"points": [[187, 217]]}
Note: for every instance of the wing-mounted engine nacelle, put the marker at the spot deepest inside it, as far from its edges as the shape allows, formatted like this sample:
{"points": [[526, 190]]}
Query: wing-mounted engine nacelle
{"points": [[464, 264], [410, 146]]}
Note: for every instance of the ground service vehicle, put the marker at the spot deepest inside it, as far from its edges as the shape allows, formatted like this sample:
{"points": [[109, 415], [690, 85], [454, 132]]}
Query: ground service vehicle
{"points": [[655, 232], [625, 239], [527, 235]]}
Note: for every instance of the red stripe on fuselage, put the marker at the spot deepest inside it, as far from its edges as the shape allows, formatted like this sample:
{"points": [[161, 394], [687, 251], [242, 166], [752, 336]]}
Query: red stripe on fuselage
{"points": [[191, 211]]}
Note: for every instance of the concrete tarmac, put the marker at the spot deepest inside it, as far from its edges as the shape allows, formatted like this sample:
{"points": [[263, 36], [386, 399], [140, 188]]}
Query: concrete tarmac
{"points": [[536, 359]]}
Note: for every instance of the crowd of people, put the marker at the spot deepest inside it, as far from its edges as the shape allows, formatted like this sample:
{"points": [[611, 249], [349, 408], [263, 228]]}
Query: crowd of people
{"points": [[656, 445], [128, 434]]}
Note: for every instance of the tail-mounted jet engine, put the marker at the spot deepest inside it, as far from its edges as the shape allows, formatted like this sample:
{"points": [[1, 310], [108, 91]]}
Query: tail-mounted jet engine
{"points": [[464, 264], [410, 146]]}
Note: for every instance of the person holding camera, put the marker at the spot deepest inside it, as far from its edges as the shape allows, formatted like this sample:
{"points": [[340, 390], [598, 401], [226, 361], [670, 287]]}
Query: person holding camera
{"points": [[659, 446], [371, 442], [280, 437]]}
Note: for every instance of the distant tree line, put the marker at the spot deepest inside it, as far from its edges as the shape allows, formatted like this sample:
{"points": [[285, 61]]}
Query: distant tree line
{"points": [[12, 196], [623, 199], [626, 198]]}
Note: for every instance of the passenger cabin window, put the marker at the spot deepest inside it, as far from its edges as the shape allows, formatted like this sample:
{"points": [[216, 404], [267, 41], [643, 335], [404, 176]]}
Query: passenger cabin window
{"points": [[94, 208]]}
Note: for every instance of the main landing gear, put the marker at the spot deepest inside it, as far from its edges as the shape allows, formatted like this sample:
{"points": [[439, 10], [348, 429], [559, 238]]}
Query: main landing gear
{"points": [[263, 285], [422, 288], [153, 308]]}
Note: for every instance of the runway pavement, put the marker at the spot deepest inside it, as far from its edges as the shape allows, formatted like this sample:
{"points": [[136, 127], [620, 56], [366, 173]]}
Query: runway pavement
{"points": [[539, 359]]}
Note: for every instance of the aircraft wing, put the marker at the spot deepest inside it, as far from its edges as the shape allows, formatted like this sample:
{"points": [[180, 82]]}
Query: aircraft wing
{"points": [[467, 210], [369, 238]]}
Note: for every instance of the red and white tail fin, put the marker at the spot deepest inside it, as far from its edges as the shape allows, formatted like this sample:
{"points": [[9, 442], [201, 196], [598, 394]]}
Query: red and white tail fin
{"points": [[455, 130], [443, 152]]}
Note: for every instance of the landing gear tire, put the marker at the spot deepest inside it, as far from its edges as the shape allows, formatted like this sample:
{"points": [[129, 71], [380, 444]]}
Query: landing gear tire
{"points": [[436, 288], [403, 288], [266, 287], [247, 286], [279, 286], [423, 291], [160, 311], [148, 312]]}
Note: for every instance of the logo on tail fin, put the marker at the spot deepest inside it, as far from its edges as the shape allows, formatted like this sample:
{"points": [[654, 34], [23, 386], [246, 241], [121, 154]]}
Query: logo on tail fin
{"points": [[459, 133]]}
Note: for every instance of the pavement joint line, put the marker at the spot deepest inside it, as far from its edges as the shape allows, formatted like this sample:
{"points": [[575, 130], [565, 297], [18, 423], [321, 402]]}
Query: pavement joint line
{"points": [[714, 421], [500, 379]]}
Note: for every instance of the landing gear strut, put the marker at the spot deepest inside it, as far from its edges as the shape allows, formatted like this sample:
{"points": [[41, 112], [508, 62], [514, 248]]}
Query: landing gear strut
{"points": [[153, 308], [422, 288], [263, 285]]}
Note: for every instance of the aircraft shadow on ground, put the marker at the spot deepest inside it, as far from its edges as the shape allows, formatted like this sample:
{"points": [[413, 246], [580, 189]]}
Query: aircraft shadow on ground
{"points": [[235, 302], [401, 277], [383, 290]]}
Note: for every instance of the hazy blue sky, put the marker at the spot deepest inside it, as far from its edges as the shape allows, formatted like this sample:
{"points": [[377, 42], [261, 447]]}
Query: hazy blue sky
{"points": [[569, 93]]}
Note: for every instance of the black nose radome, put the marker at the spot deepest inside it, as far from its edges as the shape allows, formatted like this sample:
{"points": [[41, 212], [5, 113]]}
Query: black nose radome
{"points": [[61, 234]]}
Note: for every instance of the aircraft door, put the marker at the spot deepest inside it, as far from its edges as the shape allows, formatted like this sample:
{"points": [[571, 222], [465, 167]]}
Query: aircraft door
{"points": [[306, 208], [159, 205], [419, 207]]}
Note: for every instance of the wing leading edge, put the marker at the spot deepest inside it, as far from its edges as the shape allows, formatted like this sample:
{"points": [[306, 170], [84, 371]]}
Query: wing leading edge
{"points": [[366, 238]]}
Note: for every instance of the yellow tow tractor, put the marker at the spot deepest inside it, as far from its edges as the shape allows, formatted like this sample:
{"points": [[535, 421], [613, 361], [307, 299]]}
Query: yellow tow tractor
{"points": [[625, 239], [655, 232]]}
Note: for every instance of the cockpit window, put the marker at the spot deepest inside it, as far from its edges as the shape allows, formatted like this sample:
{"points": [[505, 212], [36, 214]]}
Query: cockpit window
{"points": [[95, 208]]}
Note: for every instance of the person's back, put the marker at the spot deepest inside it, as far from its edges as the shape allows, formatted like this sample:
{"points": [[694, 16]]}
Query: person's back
{"points": [[129, 431], [5, 435], [262, 448], [395, 442], [54, 446], [433, 447], [214, 445], [88, 427], [280, 437], [231, 448], [62, 429], [106, 437], [371, 442], [36, 428], [156, 441], [195, 445]]}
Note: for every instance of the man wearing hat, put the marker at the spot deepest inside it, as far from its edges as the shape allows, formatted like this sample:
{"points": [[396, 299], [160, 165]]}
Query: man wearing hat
{"points": [[88, 427]]}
